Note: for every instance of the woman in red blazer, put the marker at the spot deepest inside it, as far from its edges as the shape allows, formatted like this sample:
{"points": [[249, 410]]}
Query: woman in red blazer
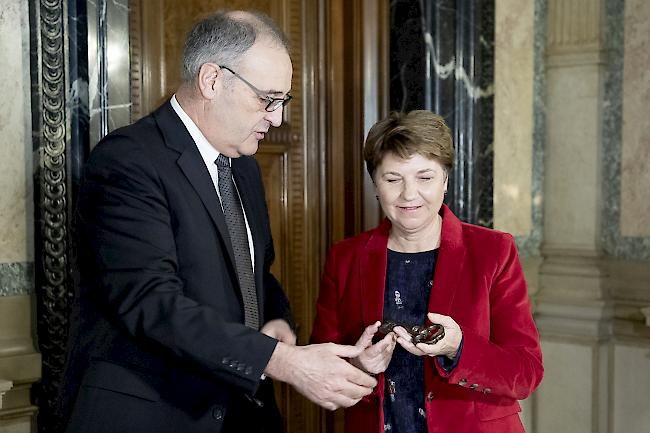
{"points": [[420, 266]]}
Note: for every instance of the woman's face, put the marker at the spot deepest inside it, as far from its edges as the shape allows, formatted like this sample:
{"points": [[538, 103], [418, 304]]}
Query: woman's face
{"points": [[410, 191]]}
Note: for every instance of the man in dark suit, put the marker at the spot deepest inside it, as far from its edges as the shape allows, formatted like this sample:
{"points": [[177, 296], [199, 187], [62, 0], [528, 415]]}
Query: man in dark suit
{"points": [[177, 319]]}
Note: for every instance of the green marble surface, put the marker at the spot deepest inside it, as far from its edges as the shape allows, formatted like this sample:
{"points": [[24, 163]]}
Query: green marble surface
{"points": [[16, 278]]}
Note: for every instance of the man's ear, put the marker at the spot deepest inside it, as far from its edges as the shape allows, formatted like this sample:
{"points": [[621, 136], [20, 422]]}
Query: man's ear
{"points": [[207, 81]]}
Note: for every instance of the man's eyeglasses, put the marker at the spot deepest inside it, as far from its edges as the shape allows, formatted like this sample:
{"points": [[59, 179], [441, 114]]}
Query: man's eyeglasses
{"points": [[272, 104]]}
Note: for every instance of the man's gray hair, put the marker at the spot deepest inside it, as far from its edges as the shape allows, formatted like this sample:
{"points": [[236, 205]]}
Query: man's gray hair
{"points": [[223, 37]]}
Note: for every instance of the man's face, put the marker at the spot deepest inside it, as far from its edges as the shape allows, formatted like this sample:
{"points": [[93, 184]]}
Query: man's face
{"points": [[240, 118]]}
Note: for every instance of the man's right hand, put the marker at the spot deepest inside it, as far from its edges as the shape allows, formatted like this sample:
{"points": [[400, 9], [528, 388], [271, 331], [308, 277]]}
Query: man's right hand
{"points": [[319, 373]]}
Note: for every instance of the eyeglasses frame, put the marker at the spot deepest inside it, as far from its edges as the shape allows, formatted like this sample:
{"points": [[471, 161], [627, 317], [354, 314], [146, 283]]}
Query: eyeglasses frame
{"points": [[280, 102]]}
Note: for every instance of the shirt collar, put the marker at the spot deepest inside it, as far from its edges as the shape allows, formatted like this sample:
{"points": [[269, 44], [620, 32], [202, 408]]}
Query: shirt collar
{"points": [[207, 151]]}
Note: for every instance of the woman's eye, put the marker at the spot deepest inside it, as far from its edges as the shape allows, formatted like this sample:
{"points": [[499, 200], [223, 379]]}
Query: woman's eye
{"points": [[392, 180], [426, 179]]}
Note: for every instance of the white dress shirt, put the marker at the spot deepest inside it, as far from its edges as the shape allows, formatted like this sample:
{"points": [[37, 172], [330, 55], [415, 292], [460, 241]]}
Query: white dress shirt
{"points": [[209, 155]]}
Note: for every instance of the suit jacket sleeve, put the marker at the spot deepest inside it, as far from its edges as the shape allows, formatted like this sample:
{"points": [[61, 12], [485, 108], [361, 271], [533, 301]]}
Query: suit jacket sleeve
{"points": [[125, 224], [509, 362]]}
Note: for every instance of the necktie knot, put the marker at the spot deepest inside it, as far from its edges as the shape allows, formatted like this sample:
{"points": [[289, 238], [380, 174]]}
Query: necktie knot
{"points": [[222, 162]]}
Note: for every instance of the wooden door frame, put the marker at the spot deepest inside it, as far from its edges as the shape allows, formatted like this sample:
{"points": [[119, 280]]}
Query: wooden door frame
{"points": [[351, 95], [354, 81]]}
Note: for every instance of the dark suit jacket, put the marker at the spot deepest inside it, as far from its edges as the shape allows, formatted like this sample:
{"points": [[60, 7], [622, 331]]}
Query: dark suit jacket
{"points": [[157, 341], [479, 282]]}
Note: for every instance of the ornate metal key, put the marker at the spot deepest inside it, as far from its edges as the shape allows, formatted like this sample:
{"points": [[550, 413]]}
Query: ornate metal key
{"points": [[419, 333]]}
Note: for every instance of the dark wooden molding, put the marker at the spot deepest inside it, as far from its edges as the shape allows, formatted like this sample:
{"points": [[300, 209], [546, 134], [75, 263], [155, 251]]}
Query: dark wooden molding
{"points": [[354, 55], [53, 201], [352, 95], [147, 56]]}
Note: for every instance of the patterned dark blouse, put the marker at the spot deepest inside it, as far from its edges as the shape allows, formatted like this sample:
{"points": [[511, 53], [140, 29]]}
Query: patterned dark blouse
{"points": [[409, 277]]}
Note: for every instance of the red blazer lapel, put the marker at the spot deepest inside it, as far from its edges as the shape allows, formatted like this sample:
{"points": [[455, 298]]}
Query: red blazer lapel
{"points": [[372, 274], [451, 258], [372, 268]]}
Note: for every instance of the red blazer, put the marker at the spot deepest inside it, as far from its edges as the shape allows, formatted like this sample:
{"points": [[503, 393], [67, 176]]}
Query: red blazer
{"points": [[479, 283]]}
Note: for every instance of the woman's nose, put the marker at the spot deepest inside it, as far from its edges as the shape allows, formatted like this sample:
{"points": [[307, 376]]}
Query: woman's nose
{"points": [[409, 191]]}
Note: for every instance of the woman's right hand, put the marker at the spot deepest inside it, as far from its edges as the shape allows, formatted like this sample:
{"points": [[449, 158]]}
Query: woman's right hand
{"points": [[375, 357]]}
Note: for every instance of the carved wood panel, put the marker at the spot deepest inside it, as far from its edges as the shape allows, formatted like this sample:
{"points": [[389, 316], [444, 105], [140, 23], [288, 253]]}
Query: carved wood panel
{"points": [[273, 163]]}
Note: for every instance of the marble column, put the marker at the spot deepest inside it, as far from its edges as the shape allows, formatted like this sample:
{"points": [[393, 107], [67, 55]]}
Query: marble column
{"points": [[5, 385], [80, 91], [442, 59], [109, 86], [574, 314], [19, 362]]}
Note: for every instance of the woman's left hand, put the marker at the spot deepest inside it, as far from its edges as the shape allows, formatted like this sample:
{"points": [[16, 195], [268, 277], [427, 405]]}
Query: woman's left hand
{"points": [[447, 346]]}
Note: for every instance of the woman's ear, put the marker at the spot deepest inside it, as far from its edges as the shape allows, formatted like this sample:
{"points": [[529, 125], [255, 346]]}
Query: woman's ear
{"points": [[209, 73]]}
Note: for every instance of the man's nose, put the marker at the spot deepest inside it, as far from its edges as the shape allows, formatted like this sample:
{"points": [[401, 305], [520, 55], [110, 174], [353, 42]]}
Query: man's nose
{"points": [[275, 117]]}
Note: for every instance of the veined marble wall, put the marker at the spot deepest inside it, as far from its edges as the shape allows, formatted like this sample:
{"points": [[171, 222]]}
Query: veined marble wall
{"points": [[519, 125], [635, 158], [626, 133], [595, 275], [16, 192], [442, 59], [19, 364], [513, 116]]}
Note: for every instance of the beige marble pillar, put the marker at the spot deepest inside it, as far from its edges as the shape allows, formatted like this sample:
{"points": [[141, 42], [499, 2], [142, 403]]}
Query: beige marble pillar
{"points": [[514, 34], [20, 365], [513, 115], [573, 313], [5, 385]]}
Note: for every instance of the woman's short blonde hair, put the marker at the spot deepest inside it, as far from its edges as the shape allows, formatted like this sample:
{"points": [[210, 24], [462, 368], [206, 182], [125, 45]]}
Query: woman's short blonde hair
{"points": [[406, 134]]}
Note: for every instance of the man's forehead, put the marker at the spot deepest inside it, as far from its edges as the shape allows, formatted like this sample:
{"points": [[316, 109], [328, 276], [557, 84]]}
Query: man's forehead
{"points": [[268, 68]]}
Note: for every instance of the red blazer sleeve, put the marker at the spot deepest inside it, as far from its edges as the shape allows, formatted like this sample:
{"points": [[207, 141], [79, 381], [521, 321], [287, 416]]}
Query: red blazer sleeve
{"points": [[508, 361], [326, 325], [339, 301]]}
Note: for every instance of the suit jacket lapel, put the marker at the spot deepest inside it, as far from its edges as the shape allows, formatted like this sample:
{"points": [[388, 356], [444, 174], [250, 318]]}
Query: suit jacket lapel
{"points": [[193, 167], [372, 274], [451, 258]]}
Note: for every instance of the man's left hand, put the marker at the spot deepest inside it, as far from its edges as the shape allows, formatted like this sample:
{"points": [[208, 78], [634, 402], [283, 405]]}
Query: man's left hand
{"points": [[280, 330]]}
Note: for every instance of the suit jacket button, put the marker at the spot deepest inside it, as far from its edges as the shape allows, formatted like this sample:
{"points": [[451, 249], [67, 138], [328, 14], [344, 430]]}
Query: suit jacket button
{"points": [[248, 370], [217, 413], [486, 390], [430, 396], [462, 382], [473, 386]]}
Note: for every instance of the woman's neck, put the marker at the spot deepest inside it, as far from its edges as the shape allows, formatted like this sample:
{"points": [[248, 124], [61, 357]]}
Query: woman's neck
{"points": [[417, 241]]}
